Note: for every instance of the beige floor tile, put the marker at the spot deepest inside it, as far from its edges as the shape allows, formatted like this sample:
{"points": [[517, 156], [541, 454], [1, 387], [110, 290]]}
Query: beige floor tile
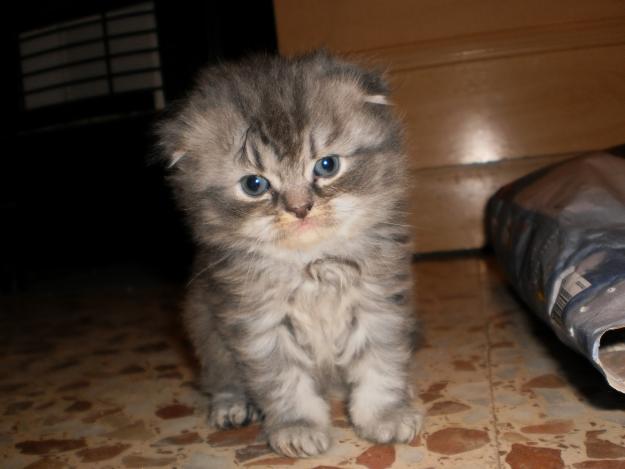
{"points": [[104, 379]]}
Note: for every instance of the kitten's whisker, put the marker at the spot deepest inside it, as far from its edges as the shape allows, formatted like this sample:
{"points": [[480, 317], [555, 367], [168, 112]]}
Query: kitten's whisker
{"points": [[209, 266], [195, 277], [423, 229], [395, 224]]}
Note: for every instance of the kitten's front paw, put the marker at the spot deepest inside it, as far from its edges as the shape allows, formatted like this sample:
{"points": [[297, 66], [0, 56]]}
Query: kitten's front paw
{"points": [[299, 440], [232, 411], [397, 426]]}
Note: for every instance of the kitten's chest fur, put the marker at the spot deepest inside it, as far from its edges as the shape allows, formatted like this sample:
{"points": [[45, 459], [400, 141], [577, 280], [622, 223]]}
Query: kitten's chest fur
{"points": [[321, 313]]}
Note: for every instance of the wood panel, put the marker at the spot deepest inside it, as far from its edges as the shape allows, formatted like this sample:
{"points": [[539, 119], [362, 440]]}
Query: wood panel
{"points": [[357, 25], [448, 203], [488, 110], [496, 44]]}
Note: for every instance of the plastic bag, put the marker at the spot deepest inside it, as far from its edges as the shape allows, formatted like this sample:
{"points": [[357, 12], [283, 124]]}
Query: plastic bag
{"points": [[559, 234]]}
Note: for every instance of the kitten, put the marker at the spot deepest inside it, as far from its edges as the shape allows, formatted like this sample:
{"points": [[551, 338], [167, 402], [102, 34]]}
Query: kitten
{"points": [[292, 175]]}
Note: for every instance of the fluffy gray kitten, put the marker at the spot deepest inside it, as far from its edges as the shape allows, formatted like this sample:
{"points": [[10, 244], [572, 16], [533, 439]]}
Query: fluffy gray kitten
{"points": [[292, 176]]}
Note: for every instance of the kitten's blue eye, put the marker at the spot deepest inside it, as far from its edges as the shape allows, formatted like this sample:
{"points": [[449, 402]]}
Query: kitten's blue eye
{"points": [[327, 166], [254, 185]]}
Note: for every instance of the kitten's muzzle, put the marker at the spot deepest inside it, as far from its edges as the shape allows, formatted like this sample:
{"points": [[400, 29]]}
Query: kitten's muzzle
{"points": [[297, 200], [300, 211]]}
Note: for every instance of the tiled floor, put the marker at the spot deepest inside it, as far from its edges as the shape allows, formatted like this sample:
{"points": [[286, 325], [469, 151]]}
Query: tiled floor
{"points": [[103, 379]]}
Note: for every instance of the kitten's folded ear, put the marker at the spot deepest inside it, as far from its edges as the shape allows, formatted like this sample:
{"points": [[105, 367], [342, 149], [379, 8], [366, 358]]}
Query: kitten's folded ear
{"points": [[373, 82], [175, 157], [377, 99], [169, 131], [370, 79], [375, 87]]}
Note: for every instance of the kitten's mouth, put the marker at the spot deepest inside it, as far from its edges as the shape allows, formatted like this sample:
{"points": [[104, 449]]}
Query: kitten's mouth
{"points": [[305, 224], [304, 233], [310, 225], [293, 225]]}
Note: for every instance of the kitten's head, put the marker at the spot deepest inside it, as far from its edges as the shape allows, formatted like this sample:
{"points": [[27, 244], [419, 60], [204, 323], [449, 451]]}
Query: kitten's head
{"points": [[286, 154]]}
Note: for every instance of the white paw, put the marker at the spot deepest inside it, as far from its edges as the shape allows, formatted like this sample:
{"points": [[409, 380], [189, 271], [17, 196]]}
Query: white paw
{"points": [[232, 411], [398, 426], [299, 441]]}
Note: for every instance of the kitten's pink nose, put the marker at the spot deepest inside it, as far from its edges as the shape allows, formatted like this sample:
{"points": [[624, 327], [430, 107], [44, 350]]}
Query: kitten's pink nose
{"points": [[300, 211]]}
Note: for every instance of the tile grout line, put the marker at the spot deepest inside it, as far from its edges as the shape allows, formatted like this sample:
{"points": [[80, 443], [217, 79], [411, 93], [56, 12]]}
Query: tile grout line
{"points": [[490, 376], [492, 395]]}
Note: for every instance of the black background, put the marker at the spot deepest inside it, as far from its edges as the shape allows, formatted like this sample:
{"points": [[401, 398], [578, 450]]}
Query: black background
{"points": [[82, 198]]}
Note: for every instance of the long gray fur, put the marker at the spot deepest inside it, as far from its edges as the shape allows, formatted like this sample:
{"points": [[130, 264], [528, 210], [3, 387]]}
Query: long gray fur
{"points": [[282, 311]]}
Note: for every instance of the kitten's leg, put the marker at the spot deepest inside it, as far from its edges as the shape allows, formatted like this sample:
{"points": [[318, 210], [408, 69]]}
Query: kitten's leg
{"points": [[379, 404], [220, 377], [297, 418]]}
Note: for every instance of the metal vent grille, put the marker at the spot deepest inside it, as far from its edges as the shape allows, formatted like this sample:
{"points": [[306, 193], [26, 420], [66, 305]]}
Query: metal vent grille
{"points": [[109, 53]]}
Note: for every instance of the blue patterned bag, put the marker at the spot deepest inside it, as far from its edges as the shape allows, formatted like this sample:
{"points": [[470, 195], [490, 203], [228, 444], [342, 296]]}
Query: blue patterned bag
{"points": [[559, 234]]}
